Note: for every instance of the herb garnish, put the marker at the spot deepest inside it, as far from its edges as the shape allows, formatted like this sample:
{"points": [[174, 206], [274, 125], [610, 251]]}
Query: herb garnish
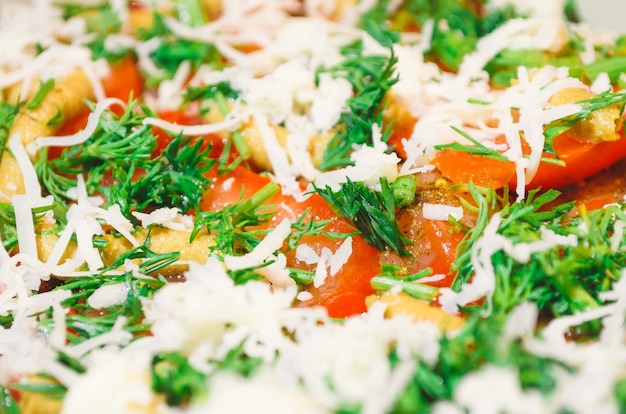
{"points": [[174, 377], [173, 50], [122, 148], [371, 77], [8, 113], [230, 224], [391, 278], [44, 88], [372, 212], [562, 279], [588, 106]]}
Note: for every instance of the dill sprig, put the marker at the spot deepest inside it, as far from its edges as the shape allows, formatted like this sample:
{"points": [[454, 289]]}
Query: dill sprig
{"points": [[8, 112], [477, 344], [175, 378], [44, 89], [118, 162], [465, 24], [372, 212], [563, 279], [101, 20], [173, 50], [231, 225], [306, 225], [588, 106], [85, 322], [477, 148], [221, 93], [376, 22], [176, 177], [8, 229], [371, 77]]}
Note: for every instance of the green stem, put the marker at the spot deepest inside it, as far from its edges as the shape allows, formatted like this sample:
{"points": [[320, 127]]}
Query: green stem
{"points": [[190, 12], [416, 290], [240, 143]]}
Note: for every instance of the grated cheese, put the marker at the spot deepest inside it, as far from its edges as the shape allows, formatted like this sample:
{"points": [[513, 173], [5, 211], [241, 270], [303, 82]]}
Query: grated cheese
{"points": [[441, 211], [310, 363]]}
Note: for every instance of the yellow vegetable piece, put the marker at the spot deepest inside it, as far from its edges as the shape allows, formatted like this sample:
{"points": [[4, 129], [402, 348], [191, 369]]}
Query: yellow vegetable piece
{"points": [[602, 125], [65, 99], [418, 310]]}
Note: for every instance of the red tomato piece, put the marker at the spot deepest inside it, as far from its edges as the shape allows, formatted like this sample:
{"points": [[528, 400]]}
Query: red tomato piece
{"points": [[582, 160], [123, 81], [342, 294], [443, 245], [181, 117], [460, 167]]}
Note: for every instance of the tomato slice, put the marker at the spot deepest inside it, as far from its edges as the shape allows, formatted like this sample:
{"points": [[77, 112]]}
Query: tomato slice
{"points": [[123, 80], [442, 252], [460, 167], [582, 160], [342, 294]]}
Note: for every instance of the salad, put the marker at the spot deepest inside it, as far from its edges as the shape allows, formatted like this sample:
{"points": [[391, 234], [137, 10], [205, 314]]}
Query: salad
{"points": [[311, 206]]}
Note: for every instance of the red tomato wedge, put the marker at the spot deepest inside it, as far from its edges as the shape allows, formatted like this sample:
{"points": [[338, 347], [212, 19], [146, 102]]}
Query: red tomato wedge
{"points": [[460, 167], [342, 294], [582, 160], [123, 80]]}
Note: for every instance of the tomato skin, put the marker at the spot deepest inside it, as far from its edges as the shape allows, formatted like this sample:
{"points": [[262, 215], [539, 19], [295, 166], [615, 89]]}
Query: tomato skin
{"points": [[344, 293], [443, 246], [460, 167], [434, 246], [582, 160], [181, 117], [123, 80]]}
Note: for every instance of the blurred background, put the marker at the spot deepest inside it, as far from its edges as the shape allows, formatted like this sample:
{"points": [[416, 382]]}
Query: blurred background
{"points": [[610, 14]]}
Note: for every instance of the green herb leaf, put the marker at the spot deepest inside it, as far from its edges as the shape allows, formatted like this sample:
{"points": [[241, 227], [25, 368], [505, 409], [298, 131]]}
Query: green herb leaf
{"points": [[8, 404], [230, 225], [44, 89], [588, 106], [391, 278], [372, 212], [476, 149], [371, 78], [176, 379]]}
